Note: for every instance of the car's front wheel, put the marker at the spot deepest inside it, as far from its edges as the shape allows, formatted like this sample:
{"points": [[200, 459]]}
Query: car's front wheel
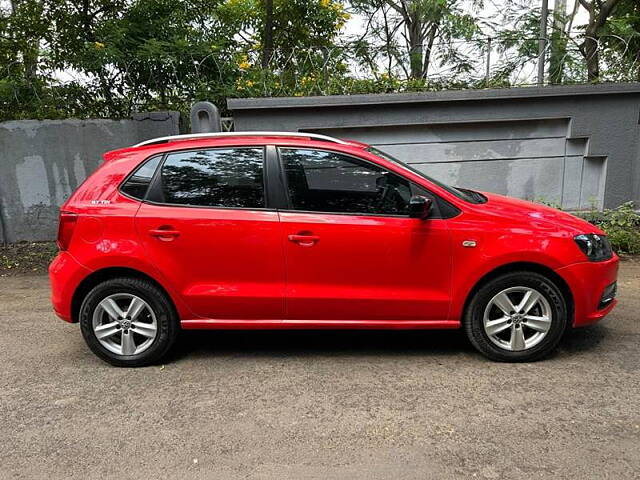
{"points": [[517, 317], [128, 322]]}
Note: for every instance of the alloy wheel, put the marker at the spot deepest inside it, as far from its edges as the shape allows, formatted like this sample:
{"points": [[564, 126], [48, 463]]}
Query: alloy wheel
{"points": [[124, 324], [517, 318]]}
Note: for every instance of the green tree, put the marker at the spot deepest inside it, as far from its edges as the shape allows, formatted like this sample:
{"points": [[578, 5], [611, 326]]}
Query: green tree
{"points": [[576, 50], [288, 51], [75, 35], [561, 27], [155, 52], [23, 29], [276, 28], [267, 50], [408, 30], [599, 11], [621, 41]]}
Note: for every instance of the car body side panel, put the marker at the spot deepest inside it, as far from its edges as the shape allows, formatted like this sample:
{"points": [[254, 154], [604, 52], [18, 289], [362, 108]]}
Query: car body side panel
{"points": [[367, 267], [65, 274], [588, 281], [105, 237], [225, 263], [501, 242]]}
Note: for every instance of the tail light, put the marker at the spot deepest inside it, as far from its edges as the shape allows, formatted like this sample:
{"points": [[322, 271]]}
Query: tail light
{"points": [[65, 229]]}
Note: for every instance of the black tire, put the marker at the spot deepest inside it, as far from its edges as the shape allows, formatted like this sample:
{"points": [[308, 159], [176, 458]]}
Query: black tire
{"points": [[474, 315], [168, 324]]}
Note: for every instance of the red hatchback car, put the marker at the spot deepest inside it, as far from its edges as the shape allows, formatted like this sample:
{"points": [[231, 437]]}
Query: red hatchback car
{"points": [[292, 230]]}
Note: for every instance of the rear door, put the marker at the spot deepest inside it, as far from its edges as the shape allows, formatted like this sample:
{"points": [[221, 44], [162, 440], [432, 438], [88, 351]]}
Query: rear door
{"points": [[207, 226], [352, 252]]}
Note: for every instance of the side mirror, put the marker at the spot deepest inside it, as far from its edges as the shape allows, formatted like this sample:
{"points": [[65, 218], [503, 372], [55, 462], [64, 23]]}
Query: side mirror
{"points": [[420, 207]]}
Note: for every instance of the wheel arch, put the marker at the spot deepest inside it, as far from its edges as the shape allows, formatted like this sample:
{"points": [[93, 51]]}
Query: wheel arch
{"points": [[103, 274], [527, 267]]}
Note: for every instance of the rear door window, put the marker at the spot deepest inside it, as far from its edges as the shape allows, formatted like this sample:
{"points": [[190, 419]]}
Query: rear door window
{"points": [[225, 177]]}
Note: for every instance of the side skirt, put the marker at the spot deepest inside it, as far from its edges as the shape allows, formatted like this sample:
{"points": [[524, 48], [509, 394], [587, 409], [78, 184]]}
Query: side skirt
{"points": [[215, 324]]}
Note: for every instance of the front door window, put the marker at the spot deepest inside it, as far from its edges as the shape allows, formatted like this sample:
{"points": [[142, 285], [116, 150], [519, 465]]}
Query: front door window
{"points": [[323, 181]]}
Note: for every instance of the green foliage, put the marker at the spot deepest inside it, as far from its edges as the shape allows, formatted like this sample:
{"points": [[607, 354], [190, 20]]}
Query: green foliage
{"points": [[548, 203], [108, 58], [124, 55], [415, 36], [622, 39], [622, 226]]}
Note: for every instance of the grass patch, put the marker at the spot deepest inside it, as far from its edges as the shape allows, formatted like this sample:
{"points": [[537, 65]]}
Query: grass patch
{"points": [[26, 258]]}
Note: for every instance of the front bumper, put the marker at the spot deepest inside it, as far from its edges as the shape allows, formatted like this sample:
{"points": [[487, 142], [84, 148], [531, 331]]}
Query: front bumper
{"points": [[65, 274], [588, 282]]}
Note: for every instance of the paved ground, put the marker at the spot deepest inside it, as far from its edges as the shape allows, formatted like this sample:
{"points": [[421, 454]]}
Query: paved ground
{"points": [[316, 405]]}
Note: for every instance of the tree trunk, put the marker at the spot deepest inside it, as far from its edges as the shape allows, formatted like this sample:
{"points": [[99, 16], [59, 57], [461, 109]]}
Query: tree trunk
{"points": [[590, 51], [558, 42], [31, 51], [427, 54], [598, 13], [415, 61], [268, 34], [416, 48]]}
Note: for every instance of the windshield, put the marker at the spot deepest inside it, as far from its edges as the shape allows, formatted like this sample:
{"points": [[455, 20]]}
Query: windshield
{"points": [[462, 193]]}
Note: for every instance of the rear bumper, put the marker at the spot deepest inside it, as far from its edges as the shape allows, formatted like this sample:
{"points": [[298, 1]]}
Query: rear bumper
{"points": [[588, 281], [65, 274]]}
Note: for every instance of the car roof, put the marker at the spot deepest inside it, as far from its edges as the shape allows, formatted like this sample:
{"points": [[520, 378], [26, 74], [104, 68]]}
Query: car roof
{"points": [[308, 135], [162, 144]]}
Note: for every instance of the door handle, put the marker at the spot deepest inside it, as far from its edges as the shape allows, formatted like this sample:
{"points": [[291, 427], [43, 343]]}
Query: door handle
{"points": [[304, 240], [164, 233]]}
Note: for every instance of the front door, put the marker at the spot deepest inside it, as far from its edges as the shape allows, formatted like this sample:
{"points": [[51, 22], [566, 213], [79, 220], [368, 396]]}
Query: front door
{"points": [[206, 227], [352, 252]]}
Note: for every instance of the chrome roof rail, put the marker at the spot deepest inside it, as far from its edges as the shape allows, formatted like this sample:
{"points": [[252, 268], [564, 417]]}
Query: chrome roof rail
{"points": [[314, 136]]}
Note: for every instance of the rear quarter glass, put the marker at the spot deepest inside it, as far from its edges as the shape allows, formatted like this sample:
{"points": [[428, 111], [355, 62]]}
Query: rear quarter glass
{"points": [[137, 183]]}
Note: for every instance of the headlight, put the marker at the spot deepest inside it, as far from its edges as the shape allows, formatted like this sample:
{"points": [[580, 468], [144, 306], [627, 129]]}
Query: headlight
{"points": [[595, 247]]}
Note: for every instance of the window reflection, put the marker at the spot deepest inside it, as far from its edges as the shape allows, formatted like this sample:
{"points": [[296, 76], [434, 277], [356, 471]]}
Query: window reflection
{"points": [[138, 183], [215, 178], [323, 181]]}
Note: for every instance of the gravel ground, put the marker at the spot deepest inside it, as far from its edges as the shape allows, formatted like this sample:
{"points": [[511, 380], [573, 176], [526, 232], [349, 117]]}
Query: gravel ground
{"points": [[316, 404]]}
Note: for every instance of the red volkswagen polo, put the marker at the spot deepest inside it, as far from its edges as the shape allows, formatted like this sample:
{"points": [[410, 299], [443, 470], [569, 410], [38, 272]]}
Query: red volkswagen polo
{"points": [[293, 230]]}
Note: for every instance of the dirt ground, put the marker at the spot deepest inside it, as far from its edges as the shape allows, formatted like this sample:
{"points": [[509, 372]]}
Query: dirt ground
{"points": [[292, 405]]}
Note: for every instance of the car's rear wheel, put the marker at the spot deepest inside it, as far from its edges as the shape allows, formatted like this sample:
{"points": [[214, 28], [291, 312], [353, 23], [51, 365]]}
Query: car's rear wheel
{"points": [[128, 322], [517, 317]]}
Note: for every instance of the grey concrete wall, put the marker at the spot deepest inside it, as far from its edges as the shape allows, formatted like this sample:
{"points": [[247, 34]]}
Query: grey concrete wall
{"points": [[573, 145], [42, 162], [526, 159]]}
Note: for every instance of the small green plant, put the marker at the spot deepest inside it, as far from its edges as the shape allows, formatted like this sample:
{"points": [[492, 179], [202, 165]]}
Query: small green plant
{"points": [[548, 203], [621, 224]]}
